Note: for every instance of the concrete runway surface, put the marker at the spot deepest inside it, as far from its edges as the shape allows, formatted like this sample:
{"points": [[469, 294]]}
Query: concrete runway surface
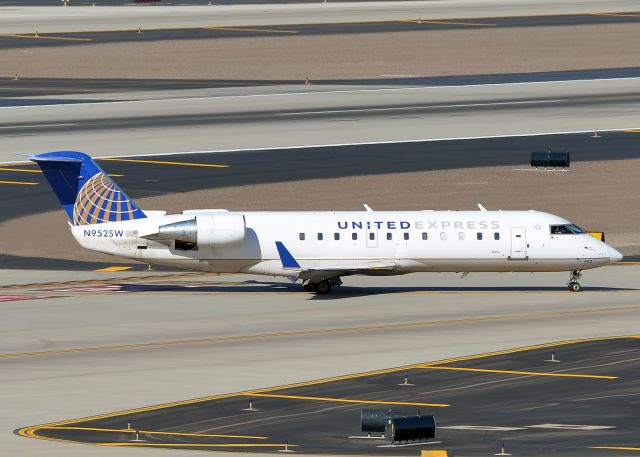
{"points": [[210, 120], [409, 25], [530, 398], [116, 341], [51, 19], [144, 176]]}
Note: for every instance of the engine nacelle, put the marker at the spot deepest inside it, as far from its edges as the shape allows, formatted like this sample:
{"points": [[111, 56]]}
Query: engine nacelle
{"points": [[206, 230]]}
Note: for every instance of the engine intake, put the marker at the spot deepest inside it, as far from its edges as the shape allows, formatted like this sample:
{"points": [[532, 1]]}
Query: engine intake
{"points": [[206, 230]]}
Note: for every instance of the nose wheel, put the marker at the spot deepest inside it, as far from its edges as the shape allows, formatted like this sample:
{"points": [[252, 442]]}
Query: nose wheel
{"points": [[573, 284]]}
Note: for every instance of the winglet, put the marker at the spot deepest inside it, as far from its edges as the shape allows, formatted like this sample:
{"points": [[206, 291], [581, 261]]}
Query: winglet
{"points": [[285, 256]]}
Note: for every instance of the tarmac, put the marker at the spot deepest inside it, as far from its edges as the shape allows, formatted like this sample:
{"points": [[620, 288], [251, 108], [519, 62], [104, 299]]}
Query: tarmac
{"points": [[28, 40], [56, 19], [116, 341]]}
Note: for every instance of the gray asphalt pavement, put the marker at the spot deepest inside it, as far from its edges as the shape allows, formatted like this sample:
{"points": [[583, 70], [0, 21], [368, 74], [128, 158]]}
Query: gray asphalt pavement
{"points": [[45, 91], [409, 25], [141, 179], [518, 398], [87, 343], [28, 19]]}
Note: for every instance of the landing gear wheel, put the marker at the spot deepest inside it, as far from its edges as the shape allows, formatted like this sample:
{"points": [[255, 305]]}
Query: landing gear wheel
{"points": [[311, 287], [573, 284], [324, 287]]}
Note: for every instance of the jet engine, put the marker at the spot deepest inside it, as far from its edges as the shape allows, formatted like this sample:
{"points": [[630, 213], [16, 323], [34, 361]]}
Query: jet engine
{"points": [[209, 230]]}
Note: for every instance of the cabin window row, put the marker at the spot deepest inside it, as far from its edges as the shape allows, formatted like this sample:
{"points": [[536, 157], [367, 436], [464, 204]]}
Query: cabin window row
{"points": [[405, 236]]}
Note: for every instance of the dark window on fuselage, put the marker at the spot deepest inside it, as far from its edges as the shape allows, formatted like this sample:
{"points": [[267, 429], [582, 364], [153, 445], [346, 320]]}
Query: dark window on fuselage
{"points": [[320, 236], [406, 235], [425, 236], [372, 236], [336, 236], [354, 236], [479, 235], [496, 236], [389, 235], [301, 236]]}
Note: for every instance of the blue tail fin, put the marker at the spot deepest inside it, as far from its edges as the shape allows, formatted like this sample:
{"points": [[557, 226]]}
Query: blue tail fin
{"points": [[86, 192]]}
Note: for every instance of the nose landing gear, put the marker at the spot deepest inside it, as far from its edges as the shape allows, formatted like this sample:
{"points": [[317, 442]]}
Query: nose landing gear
{"points": [[573, 284]]}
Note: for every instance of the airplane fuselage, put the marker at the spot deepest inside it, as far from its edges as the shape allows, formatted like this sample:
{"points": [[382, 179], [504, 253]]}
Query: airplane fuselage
{"points": [[414, 241]]}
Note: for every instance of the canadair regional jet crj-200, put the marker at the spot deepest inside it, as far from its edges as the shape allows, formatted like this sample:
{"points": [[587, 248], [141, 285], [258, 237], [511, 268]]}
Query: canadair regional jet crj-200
{"points": [[316, 247]]}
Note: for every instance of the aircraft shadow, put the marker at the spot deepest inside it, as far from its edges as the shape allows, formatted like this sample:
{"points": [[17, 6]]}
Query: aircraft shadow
{"points": [[339, 292]]}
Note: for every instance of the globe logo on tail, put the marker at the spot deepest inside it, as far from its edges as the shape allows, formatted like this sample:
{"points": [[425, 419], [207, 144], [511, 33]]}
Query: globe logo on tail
{"points": [[100, 200]]}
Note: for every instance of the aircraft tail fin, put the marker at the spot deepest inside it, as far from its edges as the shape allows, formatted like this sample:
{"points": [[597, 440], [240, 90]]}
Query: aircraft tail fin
{"points": [[86, 192]]}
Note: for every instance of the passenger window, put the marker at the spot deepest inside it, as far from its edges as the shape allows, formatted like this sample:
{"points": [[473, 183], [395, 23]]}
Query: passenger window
{"points": [[496, 236], [406, 236], [389, 235], [479, 235], [425, 236], [372, 236], [461, 236], [320, 236], [443, 236], [354, 236], [336, 236], [301, 236]]}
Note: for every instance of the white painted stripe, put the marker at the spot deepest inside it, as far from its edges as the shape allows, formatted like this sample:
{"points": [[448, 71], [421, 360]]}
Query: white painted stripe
{"points": [[321, 92], [571, 427], [483, 428], [35, 126], [405, 108], [331, 145]]}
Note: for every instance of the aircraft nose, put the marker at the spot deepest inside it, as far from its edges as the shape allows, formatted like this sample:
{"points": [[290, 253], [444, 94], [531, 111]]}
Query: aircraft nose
{"points": [[614, 255]]}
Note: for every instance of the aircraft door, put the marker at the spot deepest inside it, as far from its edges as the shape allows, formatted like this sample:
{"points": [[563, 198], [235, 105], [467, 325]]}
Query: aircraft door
{"points": [[372, 238], [518, 243]]}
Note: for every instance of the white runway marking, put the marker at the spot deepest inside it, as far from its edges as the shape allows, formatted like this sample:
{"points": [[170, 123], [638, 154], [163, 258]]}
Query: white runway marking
{"points": [[483, 428], [405, 108], [571, 427], [35, 126], [321, 92]]}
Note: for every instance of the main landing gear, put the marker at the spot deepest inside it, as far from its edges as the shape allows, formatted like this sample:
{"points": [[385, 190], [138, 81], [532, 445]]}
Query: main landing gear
{"points": [[573, 284], [323, 287]]}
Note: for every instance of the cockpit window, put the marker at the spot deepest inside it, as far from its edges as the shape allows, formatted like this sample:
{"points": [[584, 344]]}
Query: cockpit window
{"points": [[567, 229]]}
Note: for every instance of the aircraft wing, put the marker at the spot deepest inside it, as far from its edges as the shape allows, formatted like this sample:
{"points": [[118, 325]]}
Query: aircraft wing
{"points": [[315, 274]]}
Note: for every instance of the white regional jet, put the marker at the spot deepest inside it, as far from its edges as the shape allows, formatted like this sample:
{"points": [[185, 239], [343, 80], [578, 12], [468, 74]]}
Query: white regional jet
{"points": [[316, 247]]}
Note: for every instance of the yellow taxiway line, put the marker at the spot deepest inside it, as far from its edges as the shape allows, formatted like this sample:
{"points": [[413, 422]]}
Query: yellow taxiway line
{"points": [[22, 170], [246, 29], [617, 448], [445, 22], [43, 37], [256, 336], [31, 431], [222, 445], [164, 162], [154, 432], [347, 400], [113, 268], [20, 183], [616, 14], [523, 373]]}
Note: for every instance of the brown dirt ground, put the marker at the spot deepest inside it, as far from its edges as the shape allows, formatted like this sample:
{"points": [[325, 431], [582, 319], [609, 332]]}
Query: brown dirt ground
{"points": [[424, 53], [585, 195]]}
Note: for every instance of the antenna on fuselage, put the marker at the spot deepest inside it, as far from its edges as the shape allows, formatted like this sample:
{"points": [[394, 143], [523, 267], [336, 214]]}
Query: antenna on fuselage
{"points": [[367, 207], [482, 208]]}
